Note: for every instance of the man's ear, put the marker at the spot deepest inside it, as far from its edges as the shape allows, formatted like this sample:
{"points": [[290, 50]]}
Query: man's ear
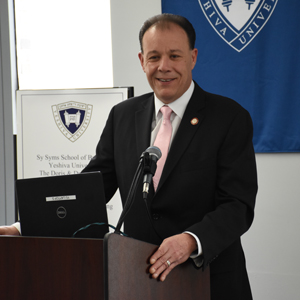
{"points": [[141, 57], [194, 56]]}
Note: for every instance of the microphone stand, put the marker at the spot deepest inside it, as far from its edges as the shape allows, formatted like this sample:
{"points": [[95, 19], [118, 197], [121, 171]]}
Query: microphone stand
{"points": [[149, 167], [131, 193]]}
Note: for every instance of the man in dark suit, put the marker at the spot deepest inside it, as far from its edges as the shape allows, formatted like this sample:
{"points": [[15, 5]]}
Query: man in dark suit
{"points": [[206, 194], [205, 197]]}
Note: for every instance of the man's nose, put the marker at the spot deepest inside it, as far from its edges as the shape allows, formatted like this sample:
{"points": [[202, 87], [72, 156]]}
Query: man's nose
{"points": [[164, 64]]}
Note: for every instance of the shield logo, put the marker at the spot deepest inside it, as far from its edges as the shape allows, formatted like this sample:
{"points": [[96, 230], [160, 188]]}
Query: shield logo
{"points": [[72, 118], [238, 22]]}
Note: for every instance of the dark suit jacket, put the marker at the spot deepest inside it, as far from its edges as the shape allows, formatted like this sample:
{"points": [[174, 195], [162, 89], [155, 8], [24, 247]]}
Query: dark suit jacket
{"points": [[208, 185]]}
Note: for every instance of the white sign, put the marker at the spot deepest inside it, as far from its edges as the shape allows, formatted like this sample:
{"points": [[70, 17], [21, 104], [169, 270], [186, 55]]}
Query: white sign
{"points": [[58, 131]]}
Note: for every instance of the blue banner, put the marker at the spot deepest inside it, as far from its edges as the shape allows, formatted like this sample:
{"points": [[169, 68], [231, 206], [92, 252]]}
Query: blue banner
{"points": [[249, 50]]}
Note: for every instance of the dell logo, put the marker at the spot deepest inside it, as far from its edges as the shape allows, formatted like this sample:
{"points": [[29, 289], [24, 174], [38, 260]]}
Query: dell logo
{"points": [[61, 212]]}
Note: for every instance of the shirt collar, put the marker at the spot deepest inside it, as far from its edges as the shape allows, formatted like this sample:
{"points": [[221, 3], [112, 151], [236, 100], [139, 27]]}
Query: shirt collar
{"points": [[179, 105]]}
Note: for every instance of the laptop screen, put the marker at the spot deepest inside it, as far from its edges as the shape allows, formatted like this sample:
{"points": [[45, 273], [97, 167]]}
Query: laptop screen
{"points": [[58, 206]]}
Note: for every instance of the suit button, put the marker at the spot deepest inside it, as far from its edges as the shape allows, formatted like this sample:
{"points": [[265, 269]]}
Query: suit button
{"points": [[155, 216]]}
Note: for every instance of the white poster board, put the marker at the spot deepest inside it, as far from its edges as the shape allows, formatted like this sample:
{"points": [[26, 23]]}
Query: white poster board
{"points": [[58, 131]]}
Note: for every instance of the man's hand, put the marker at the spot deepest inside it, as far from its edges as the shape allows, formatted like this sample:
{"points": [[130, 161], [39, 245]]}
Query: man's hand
{"points": [[9, 230], [173, 251]]}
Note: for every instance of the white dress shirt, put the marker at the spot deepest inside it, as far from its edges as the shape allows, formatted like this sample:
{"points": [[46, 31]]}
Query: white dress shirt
{"points": [[18, 226]]}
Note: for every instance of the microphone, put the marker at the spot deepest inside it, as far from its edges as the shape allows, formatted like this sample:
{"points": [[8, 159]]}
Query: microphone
{"points": [[147, 160], [150, 156]]}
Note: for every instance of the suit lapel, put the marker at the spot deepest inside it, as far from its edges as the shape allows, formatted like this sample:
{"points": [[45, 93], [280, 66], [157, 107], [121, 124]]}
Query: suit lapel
{"points": [[186, 131], [143, 120]]}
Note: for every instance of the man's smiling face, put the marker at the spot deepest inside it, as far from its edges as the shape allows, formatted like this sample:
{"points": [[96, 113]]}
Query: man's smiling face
{"points": [[168, 61]]}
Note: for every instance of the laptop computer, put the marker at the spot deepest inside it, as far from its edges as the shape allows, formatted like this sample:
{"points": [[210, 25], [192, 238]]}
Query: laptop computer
{"points": [[58, 206]]}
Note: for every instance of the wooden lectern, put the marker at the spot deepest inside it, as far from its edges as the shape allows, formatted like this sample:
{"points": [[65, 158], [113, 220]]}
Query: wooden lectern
{"points": [[115, 268]]}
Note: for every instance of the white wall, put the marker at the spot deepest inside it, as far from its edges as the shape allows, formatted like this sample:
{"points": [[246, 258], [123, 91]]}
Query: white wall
{"points": [[127, 18], [272, 243]]}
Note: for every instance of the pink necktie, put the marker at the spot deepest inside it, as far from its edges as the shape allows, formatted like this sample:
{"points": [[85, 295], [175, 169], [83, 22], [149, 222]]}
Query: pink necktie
{"points": [[162, 141]]}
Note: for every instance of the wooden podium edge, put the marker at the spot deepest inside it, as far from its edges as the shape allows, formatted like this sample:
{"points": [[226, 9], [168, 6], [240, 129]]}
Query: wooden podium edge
{"points": [[126, 274]]}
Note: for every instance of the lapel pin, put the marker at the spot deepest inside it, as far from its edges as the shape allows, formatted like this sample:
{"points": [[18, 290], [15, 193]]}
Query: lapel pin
{"points": [[194, 121]]}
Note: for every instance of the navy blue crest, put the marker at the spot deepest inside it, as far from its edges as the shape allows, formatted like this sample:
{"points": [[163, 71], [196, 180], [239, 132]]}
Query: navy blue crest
{"points": [[72, 118]]}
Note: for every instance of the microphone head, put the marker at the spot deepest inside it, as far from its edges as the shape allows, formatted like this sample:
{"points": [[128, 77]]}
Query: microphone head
{"points": [[155, 151]]}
